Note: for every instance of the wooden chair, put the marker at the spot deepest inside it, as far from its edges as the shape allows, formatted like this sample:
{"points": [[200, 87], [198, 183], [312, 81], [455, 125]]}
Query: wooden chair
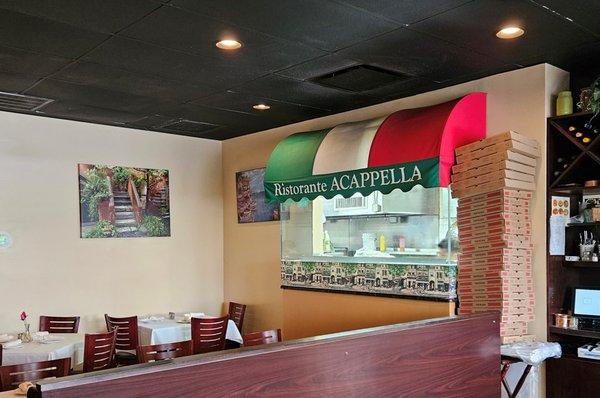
{"points": [[208, 334], [59, 324], [99, 351], [158, 352], [127, 338], [264, 337], [236, 314], [13, 375]]}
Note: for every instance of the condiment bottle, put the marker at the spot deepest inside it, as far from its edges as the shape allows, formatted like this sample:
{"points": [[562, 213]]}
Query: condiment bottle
{"points": [[564, 103]]}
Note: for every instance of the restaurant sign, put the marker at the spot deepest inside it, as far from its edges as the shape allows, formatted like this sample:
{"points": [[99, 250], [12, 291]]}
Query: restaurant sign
{"points": [[383, 179], [407, 148]]}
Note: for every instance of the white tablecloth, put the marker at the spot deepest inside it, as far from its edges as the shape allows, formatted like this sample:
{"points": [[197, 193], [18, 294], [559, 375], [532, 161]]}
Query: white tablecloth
{"points": [[70, 346], [170, 331]]}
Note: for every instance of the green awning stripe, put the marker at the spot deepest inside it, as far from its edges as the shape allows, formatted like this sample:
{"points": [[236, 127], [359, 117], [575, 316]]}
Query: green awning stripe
{"points": [[294, 157]]}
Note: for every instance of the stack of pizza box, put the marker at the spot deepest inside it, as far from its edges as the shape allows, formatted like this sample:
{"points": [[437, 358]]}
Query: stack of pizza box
{"points": [[493, 181]]}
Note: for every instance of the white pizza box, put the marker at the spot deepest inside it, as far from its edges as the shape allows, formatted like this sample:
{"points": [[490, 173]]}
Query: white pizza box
{"points": [[512, 206], [492, 269], [491, 186], [514, 227], [496, 138], [496, 237], [491, 177], [496, 230], [481, 257], [493, 167], [517, 252], [482, 294], [493, 199], [505, 289], [498, 296], [494, 217], [500, 147], [507, 314], [495, 158], [467, 283], [489, 285], [529, 338], [465, 215], [492, 237], [517, 318], [494, 263], [470, 272], [515, 331], [490, 245], [500, 193], [492, 255], [510, 304]]}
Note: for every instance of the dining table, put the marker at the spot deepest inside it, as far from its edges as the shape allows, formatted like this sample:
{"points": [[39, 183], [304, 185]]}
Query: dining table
{"points": [[10, 394], [162, 330], [54, 346]]}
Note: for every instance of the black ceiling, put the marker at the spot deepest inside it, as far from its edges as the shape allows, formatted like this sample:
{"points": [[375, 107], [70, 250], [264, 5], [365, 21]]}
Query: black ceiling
{"points": [[153, 65]]}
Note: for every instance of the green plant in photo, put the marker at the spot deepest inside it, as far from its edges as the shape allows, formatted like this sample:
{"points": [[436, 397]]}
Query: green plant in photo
{"points": [[154, 226], [103, 229], [121, 176], [139, 181], [95, 189]]}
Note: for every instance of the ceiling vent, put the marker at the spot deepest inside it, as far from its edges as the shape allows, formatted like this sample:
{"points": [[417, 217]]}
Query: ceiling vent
{"points": [[360, 78], [187, 126], [21, 103]]}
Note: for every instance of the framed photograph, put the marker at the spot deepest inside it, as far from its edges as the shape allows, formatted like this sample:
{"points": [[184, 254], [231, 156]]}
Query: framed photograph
{"points": [[251, 201], [123, 202]]}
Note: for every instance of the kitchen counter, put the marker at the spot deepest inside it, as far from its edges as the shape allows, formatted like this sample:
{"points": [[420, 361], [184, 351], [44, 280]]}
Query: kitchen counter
{"points": [[403, 260]]}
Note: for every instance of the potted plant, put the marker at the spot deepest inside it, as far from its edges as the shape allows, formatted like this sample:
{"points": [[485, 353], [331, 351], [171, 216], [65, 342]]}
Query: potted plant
{"points": [[95, 191]]}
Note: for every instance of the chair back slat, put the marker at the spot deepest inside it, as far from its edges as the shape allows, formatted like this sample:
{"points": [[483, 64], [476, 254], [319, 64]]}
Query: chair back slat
{"points": [[263, 337], [59, 324], [236, 314], [208, 334], [99, 351], [13, 375], [159, 352], [127, 331]]}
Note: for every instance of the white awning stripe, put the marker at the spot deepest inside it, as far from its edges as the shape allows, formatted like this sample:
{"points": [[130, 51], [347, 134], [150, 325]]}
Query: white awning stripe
{"points": [[346, 147]]}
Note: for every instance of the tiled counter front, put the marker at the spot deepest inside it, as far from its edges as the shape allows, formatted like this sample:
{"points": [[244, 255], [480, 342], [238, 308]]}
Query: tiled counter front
{"points": [[428, 281]]}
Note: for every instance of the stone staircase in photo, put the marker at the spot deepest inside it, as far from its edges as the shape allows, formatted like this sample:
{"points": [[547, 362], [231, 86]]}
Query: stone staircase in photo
{"points": [[125, 219]]}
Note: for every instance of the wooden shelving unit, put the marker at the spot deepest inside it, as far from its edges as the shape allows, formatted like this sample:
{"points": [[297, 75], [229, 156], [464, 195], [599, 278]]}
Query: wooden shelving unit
{"points": [[582, 264], [569, 372], [574, 332]]}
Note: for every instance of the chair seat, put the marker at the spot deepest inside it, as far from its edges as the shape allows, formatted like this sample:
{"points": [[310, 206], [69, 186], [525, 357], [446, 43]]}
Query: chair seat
{"points": [[126, 358]]}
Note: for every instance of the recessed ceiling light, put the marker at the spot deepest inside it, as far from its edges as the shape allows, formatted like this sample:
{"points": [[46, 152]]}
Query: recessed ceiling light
{"points": [[228, 44], [261, 107], [510, 32]]}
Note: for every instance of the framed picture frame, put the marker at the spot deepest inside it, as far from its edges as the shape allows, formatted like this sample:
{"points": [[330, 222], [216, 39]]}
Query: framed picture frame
{"points": [[123, 202], [251, 200]]}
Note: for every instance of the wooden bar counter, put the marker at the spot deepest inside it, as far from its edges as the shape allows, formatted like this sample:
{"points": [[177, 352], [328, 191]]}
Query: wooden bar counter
{"points": [[446, 357]]}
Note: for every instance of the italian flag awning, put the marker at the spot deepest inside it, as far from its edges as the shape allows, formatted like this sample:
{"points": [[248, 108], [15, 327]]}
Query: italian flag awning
{"points": [[407, 148]]}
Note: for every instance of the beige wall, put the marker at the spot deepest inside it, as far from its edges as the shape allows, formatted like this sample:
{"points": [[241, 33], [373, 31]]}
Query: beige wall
{"points": [[518, 100], [50, 270]]}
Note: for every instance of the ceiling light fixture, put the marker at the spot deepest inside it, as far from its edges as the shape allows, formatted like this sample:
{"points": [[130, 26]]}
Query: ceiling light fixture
{"points": [[261, 107], [228, 44], [510, 32]]}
